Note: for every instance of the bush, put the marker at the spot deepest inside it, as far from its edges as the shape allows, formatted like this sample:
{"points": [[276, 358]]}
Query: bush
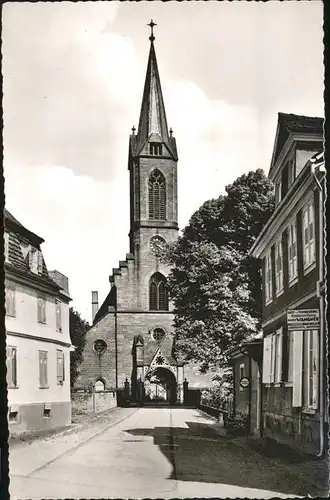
{"points": [[237, 424]]}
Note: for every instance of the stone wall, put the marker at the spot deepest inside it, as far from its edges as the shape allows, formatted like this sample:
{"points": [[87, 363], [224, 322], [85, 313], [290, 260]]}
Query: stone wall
{"points": [[84, 401]]}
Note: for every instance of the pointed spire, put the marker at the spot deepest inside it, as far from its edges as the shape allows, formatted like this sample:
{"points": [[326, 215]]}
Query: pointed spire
{"points": [[152, 116]]}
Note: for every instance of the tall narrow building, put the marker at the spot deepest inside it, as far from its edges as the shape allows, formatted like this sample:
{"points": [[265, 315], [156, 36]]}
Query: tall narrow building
{"points": [[131, 338]]}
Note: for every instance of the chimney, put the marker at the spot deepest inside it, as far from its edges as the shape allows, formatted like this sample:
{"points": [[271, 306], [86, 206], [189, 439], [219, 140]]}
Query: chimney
{"points": [[95, 304]]}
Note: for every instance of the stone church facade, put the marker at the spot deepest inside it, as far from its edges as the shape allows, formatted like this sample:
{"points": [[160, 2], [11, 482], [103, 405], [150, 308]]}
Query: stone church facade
{"points": [[130, 342]]}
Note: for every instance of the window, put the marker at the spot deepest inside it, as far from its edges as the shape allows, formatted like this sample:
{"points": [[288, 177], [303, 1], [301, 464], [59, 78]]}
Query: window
{"points": [[58, 307], [311, 369], [278, 267], [272, 358], [43, 369], [268, 278], [157, 196], [10, 300], [158, 334], [11, 362], [158, 294], [308, 234], [6, 237], [155, 148], [241, 375], [292, 251], [41, 309], [35, 261], [290, 350], [100, 346], [60, 366]]}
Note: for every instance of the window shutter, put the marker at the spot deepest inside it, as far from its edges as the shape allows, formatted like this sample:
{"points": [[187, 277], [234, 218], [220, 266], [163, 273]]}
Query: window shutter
{"points": [[9, 367], [279, 350], [40, 262], [315, 368], [266, 360], [297, 368]]}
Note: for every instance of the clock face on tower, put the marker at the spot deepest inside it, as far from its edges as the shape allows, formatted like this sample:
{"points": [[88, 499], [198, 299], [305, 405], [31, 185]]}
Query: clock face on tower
{"points": [[157, 245]]}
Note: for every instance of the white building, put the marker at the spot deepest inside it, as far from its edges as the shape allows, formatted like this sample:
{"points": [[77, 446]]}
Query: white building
{"points": [[37, 335]]}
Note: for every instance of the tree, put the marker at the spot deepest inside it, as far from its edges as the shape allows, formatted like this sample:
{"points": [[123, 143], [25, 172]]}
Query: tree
{"points": [[214, 285], [78, 329]]}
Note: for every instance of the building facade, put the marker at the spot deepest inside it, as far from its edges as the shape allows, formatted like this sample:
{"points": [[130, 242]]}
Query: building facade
{"points": [[290, 246], [246, 362], [37, 335], [130, 342]]}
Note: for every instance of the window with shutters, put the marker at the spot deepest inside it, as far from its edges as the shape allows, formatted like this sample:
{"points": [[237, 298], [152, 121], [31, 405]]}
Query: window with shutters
{"points": [[60, 366], [10, 300], [155, 148], [273, 359], [292, 251], [157, 196], [308, 234], [41, 302], [43, 369], [279, 267], [11, 362], [6, 238], [268, 278], [311, 369], [58, 307], [158, 293]]}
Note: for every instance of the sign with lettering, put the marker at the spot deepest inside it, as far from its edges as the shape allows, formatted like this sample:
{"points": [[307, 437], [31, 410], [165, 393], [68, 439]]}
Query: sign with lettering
{"points": [[303, 319], [244, 382]]}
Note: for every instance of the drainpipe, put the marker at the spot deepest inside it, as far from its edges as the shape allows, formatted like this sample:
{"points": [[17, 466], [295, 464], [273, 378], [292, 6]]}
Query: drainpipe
{"points": [[321, 302]]}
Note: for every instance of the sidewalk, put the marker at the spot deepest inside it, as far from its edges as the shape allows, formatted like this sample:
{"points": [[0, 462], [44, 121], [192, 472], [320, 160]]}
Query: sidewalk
{"points": [[32, 452]]}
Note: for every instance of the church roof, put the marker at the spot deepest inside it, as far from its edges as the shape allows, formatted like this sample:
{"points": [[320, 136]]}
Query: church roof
{"points": [[153, 123]]}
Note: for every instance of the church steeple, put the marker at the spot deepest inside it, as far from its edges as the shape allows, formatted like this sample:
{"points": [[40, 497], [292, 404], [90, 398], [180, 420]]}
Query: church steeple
{"points": [[152, 124]]}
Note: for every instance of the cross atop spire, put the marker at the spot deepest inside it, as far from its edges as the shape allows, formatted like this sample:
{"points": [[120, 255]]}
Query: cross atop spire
{"points": [[152, 24]]}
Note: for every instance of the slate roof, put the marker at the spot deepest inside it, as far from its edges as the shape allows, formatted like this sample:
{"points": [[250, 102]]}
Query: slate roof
{"points": [[20, 236], [288, 123]]}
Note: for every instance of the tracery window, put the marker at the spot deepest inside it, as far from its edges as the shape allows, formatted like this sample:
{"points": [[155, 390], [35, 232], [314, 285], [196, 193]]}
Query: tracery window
{"points": [[158, 293], [157, 196]]}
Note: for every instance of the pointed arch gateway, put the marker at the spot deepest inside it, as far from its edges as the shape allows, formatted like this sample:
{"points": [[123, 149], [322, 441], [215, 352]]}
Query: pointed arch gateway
{"points": [[158, 293], [157, 195]]}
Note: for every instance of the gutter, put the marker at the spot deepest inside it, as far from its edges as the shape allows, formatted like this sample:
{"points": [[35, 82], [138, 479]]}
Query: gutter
{"points": [[321, 301]]}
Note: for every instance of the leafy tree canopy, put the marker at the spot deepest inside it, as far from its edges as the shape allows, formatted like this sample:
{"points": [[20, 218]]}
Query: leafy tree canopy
{"points": [[215, 286], [78, 329]]}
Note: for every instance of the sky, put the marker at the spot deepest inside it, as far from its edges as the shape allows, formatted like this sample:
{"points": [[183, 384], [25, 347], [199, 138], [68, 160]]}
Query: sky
{"points": [[73, 76]]}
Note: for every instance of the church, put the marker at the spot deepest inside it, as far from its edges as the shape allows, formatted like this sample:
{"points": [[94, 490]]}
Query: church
{"points": [[129, 347]]}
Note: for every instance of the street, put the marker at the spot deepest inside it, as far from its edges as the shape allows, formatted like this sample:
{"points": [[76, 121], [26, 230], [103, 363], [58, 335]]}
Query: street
{"points": [[145, 452]]}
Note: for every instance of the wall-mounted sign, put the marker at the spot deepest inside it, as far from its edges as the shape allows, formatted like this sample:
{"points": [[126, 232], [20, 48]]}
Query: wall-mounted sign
{"points": [[303, 319], [244, 382]]}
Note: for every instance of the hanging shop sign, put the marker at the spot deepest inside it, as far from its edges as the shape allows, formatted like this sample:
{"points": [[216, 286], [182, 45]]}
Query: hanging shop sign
{"points": [[303, 319]]}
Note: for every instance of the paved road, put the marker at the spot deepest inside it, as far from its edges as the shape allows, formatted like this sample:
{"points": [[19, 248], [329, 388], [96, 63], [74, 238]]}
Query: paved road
{"points": [[146, 452]]}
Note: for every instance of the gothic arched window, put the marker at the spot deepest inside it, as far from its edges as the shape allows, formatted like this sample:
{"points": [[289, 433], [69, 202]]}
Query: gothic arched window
{"points": [[158, 293], [157, 196]]}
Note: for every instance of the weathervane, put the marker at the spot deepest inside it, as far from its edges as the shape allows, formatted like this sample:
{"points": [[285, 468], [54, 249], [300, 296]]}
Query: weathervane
{"points": [[152, 24]]}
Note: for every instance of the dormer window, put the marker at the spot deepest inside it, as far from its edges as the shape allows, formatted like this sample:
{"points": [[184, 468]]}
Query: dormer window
{"points": [[35, 261], [155, 149]]}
